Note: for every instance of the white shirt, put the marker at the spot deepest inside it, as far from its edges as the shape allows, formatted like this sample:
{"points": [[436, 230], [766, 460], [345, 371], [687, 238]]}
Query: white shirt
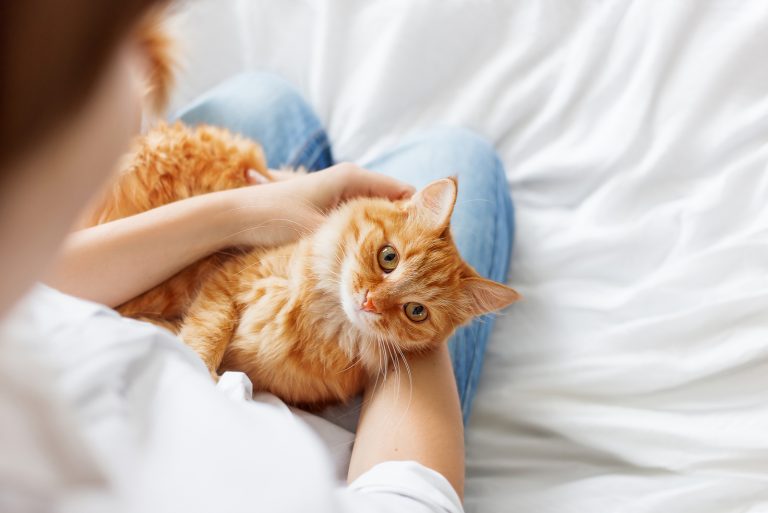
{"points": [[103, 413]]}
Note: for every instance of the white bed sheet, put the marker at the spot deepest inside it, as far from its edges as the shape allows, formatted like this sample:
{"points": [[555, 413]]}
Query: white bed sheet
{"points": [[634, 375]]}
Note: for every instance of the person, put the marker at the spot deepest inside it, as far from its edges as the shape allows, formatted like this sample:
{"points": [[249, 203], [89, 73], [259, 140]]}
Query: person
{"points": [[101, 412]]}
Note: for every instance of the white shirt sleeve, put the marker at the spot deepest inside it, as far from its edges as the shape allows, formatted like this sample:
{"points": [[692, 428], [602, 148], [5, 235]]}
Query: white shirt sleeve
{"points": [[402, 486]]}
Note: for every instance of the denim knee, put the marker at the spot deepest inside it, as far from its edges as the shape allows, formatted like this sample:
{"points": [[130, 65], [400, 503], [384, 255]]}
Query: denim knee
{"points": [[475, 157], [268, 109], [257, 94], [479, 169], [464, 146]]}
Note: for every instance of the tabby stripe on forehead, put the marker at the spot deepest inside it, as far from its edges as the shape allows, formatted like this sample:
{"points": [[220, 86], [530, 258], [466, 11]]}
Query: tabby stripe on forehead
{"points": [[355, 231], [369, 218], [429, 267], [409, 252], [371, 239]]}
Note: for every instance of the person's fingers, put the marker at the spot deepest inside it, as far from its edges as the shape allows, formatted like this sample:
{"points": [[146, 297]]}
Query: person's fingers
{"points": [[281, 174], [363, 182], [388, 187], [253, 177]]}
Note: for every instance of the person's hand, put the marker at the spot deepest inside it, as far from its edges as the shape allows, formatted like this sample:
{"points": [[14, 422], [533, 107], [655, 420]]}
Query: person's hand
{"points": [[279, 212], [327, 188]]}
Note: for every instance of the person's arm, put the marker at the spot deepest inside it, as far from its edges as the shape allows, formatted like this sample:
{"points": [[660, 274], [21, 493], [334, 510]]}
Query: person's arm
{"points": [[116, 261], [418, 420]]}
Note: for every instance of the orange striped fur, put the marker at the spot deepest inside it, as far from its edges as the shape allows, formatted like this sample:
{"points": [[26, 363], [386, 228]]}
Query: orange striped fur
{"points": [[294, 318]]}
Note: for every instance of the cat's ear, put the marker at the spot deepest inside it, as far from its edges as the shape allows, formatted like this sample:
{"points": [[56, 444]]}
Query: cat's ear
{"points": [[434, 203], [487, 296]]}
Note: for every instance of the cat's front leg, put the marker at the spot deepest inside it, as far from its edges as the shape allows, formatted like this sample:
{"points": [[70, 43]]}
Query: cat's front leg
{"points": [[210, 323]]}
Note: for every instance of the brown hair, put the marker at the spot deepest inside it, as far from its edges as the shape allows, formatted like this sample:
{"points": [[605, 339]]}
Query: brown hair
{"points": [[51, 54]]}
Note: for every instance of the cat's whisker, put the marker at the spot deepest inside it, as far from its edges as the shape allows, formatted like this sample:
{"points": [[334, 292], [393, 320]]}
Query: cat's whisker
{"points": [[386, 359], [244, 230], [341, 257], [379, 367], [247, 267], [334, 273], [396, 354], [399, 355], [396, 376], [410, 385], [387, 346], [301, 231], [473, 200], [351, 365], [398, 371], [266, 203]]}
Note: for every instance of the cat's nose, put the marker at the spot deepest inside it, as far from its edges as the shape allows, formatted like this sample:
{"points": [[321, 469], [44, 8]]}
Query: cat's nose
{"points": [[368, 304]]}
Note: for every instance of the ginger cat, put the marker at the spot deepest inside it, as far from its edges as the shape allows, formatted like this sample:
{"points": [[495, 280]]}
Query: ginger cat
{"points": [[312, 320]]}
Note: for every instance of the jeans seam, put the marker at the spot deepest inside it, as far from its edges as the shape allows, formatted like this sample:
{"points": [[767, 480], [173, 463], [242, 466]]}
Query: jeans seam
{"points": [[321, 143], [468, 395]]}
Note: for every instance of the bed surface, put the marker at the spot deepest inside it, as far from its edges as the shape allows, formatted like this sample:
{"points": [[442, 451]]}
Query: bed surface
{"points": [[634, 375]]}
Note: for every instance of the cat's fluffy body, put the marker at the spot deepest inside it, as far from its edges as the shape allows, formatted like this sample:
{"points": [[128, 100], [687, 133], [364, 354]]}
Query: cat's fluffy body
{"points": [[170, 163], [310, 321]]}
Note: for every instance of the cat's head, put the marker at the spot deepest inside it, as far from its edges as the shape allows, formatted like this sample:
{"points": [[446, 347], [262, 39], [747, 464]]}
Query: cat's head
{"points": [[400, 276]]}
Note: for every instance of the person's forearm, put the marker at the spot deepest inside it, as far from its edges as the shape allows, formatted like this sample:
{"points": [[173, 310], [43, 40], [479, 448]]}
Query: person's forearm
{"points": [[420, 422], [116, 261]]}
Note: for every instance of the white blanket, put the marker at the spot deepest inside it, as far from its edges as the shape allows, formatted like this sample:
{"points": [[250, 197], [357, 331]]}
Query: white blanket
{"points": [[633, 377]]}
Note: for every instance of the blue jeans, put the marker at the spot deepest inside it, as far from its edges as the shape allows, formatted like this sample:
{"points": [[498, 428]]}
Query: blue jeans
{"points": [[268, 109]]}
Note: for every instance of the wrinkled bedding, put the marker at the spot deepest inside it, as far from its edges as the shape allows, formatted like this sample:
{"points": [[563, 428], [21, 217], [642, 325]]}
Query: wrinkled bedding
{"points": [[633, 377]]}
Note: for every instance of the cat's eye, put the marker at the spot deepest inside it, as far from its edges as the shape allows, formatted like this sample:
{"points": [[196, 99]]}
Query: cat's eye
{"points": [[388, 259], [415, 311]]}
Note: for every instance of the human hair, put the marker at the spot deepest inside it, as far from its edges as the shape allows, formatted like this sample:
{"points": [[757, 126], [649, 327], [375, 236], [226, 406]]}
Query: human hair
{"points": [[52, 53]]}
